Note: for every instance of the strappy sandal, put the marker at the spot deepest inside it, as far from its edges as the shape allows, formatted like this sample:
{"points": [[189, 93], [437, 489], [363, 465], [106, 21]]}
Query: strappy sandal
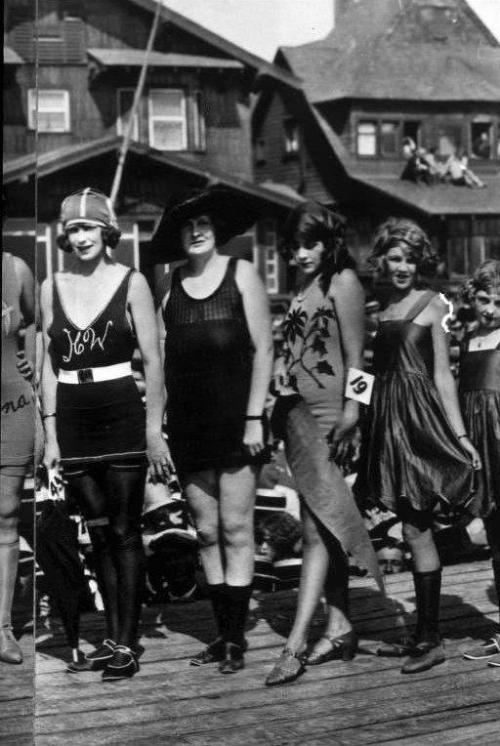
{"points": [[341, 647], [288, 667]]}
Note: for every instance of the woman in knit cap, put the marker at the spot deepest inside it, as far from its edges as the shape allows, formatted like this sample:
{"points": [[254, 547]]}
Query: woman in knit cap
{"points": [[97, 433]]}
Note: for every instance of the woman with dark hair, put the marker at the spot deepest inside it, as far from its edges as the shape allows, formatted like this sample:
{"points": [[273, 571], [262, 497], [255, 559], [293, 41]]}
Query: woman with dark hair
{"points": [[94, 316], [416, 456], [479, 391], [218, 360], [323, 338], [18, 430]]}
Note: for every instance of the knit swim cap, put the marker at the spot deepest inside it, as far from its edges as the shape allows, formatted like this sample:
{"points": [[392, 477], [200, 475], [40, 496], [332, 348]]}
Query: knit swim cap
{"points": [[89, 206]]}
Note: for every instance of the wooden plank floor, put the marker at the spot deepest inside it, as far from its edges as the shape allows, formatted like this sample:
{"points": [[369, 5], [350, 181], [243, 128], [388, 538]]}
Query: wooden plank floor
{"points": [[365, 701], [16, 691]]}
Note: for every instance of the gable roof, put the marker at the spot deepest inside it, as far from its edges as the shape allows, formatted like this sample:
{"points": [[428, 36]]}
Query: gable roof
{"points": [[379, 50], [11, 57], [440, 199], [55, 160], [260, 66]]}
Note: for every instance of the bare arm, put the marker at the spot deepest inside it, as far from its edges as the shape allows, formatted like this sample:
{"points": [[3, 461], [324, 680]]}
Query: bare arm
{"points": [[349, 297], [141, 306], [256, 306], [27, 305], [49, 381], [443, 377]]}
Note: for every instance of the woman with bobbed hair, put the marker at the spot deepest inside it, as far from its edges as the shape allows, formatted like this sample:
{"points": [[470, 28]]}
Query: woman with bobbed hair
{"points": [[323, 338], [416, 455], [479, 391], [94, 315]]}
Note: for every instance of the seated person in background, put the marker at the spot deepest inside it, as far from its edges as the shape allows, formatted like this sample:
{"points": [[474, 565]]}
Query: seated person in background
{"points": [[481, 146], [409, 148], [435, 167], [416, 169], [456, 170]]}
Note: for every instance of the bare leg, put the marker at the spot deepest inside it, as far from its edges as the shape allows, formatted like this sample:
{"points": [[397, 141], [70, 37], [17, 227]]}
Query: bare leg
{"points": [[315, 560], [10, 497], [237, 501], [202, 493]]}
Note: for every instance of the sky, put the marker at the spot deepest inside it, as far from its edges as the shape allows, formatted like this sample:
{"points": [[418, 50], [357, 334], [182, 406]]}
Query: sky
{"points": [[261, 26]]}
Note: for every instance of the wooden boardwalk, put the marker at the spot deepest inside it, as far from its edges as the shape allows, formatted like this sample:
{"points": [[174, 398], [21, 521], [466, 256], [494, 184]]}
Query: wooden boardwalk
{"points": [[366, 701]]}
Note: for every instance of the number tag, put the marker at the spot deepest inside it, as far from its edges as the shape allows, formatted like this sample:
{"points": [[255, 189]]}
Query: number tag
{"points": [[359, 385]]}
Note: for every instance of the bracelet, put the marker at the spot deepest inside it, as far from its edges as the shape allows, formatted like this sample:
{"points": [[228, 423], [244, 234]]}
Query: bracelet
{"points": [[254, 416], [46, 416], [462, 436]]}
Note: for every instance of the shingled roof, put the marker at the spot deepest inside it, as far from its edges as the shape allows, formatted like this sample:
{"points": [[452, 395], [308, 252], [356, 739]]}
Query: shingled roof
{"points": [[380, 49]]}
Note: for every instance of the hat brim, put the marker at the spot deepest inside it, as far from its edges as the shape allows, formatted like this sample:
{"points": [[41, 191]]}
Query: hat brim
{"points": [[230, 210]]}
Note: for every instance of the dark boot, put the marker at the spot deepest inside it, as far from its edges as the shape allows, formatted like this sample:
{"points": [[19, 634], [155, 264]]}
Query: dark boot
{"points": [[215, 650], [237, 600], [428, 650]]}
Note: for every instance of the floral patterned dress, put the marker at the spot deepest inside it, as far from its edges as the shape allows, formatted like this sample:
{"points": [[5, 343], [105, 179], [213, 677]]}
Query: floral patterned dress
{"points": [[313, 354]]}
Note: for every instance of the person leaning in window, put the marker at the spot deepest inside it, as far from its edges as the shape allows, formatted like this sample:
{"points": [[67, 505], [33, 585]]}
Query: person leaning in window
{"points": [[93, 317], [218, 360]]}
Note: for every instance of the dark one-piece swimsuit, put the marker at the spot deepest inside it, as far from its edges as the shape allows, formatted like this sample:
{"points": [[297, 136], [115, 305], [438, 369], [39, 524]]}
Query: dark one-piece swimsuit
{"points": [[97, 421], [208, 369]]}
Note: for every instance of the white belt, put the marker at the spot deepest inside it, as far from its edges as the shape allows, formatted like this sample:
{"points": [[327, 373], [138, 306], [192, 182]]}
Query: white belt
{"points": [[95, 375]]}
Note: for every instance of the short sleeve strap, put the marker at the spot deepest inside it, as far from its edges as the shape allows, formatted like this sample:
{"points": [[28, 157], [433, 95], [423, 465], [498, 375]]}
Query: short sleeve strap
{"points": [[419, 305]]}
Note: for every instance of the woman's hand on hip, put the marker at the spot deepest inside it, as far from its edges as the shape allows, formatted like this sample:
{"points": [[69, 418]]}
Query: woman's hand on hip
{"points": [[159, 459], [253, 438], [340, 434]]}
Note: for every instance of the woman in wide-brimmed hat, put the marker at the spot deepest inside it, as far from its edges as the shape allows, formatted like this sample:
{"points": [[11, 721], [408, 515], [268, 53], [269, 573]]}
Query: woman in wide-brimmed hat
{"points": [[94, 316], [218, 359]]}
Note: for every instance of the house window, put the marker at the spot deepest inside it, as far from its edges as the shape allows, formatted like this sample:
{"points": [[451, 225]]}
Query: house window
{"points": [[389, 145], [271, 263], [167, 119], [366, 138], [260, 151], [292, 137], [411, 129], [199, 128], [125, 99], [480, 137], [49, 111]]}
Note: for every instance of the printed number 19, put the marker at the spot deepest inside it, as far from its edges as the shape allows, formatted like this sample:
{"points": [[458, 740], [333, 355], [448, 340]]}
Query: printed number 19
{"points": [[359, 385]]}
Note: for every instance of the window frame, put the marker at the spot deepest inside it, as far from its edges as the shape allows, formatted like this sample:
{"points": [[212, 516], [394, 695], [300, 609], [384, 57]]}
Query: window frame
{"points": [[291, 138], [365, 121], [183, 119], [199, 123], [34, 97]]}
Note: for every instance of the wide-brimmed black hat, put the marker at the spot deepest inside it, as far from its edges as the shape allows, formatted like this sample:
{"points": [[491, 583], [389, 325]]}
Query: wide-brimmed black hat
{"points": [[230, 211]]}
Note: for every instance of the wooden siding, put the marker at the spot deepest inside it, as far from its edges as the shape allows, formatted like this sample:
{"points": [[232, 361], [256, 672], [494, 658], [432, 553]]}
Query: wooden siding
{"points": [[298, 172]]}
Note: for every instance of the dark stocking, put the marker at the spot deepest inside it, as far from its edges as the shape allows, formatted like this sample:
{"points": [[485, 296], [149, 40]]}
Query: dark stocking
{"points": [[125, 491], [217, 597], [87, 491], [427, 592], [236, 602], [111, 499]]}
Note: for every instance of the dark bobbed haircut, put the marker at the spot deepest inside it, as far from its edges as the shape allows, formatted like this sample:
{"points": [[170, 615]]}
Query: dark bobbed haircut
{"points": [[311, 222], [110, 236], [403, 233], [486, 277], [284, 532]]}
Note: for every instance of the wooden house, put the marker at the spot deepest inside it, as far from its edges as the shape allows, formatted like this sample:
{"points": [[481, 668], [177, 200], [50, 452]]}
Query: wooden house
{"points": [[391, 69], [192, 126]]}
